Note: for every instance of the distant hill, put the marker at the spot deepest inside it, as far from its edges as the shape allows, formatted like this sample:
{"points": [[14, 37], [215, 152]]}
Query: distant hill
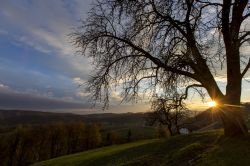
{"points": [[204, 119], [12, 118]]}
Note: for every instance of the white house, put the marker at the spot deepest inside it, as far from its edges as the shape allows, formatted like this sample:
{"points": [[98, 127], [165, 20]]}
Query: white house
{"points": [[184, 131]]}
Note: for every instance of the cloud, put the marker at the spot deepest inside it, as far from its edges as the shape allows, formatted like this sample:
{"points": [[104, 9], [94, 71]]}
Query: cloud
{"points": [[116, 96], [35, 82], [79, 81], [221, 79], [3, 32], [3, 87], [30, 43], [82, 94], [44, 26], [24, 100]]}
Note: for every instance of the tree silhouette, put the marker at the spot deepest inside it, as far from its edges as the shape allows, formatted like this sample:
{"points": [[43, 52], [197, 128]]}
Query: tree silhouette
{"points": [[129, 135], [164, 44], [169, 112]]}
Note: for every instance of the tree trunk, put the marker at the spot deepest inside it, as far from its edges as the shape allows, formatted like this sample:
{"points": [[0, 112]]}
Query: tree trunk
{"points": [[229, 109], [232, 114], [170, 130], [233, 121], [178, 130]]}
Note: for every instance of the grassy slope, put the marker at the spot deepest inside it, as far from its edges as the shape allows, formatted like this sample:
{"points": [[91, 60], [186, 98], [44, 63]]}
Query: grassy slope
{"points": [[206, 149]]}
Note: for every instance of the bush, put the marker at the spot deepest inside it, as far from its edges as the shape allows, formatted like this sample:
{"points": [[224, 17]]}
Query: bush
{"points": [[162, 132]]}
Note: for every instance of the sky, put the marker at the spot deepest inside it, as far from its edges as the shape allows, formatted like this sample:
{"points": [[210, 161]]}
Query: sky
{"points": [[39, 69]]}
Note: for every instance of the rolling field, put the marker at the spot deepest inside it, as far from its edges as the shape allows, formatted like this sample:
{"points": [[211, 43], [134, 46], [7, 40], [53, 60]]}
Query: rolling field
{"points": [[112, 155], [209, 148]]}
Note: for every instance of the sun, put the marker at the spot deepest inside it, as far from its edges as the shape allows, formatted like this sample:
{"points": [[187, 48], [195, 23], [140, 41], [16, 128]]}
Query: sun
{"points": [[212, 104]]}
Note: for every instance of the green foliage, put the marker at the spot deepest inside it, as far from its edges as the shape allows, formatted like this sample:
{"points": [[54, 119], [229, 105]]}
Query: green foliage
{"points": [[162, 132], [129, 135], [113, 138], [93, 136], [26, 144]]}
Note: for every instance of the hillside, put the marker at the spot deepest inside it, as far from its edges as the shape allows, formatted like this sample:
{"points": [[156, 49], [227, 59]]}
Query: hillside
{"points": [[12, 118], [210, 149], [117, 122], [204, 120]]}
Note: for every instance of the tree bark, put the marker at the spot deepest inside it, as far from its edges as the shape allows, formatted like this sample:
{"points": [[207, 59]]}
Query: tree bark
{"points": [[232, 116], [233, 121], [170, 130]]}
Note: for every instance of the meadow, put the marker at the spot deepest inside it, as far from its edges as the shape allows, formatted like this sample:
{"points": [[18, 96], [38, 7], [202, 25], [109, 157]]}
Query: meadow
{"points": [[199, 149]]}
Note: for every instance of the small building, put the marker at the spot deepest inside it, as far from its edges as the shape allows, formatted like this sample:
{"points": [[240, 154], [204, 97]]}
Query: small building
{"points": [[184, 131]]}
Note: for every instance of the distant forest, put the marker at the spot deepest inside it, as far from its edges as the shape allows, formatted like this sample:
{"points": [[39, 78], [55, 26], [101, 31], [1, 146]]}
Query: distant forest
{"points": [[26, 144], [27, 137]]}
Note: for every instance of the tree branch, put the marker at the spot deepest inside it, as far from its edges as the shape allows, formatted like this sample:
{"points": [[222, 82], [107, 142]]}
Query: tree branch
{"points": [[170, 19], [154, 59], [185, 95], [209, 3], [246, 69], [243, 36]]}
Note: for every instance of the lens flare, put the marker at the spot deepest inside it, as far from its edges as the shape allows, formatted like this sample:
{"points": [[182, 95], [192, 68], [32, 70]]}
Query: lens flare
{"points": [[212, 104]]}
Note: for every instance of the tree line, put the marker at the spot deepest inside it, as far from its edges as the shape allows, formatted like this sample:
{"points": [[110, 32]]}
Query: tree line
{"points": [[28, 144]]}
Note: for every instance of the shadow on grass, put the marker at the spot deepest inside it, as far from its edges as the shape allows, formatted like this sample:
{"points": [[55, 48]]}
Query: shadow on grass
{"points": [[178, 150], [228, 152], [199, 149]]}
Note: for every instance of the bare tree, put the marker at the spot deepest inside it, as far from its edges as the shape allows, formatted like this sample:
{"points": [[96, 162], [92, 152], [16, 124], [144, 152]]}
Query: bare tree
{"points": [[170, 112], [158, 44]]}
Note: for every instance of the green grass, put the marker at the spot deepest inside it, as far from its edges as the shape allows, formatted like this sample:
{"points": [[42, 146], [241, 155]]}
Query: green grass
{"points": [[201, 149]]}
